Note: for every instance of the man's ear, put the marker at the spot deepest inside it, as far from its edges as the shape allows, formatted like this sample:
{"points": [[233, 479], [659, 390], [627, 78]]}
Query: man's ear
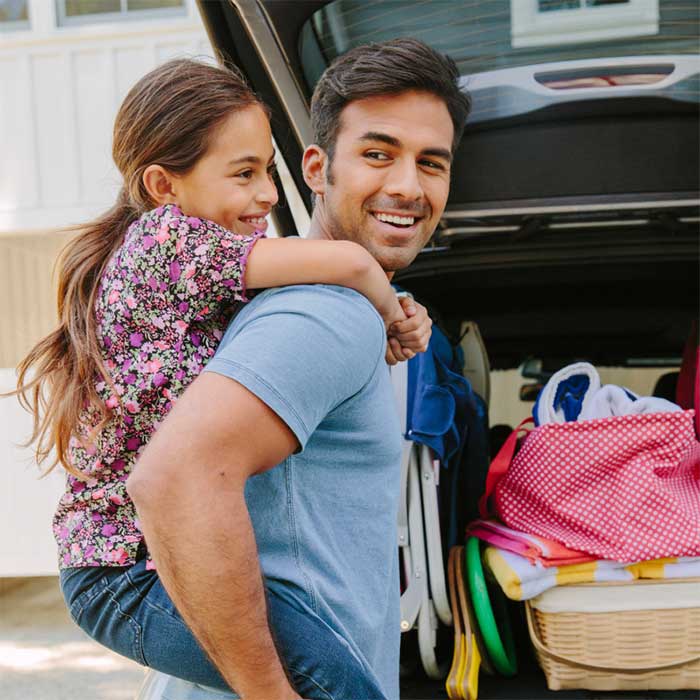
{"points": [[159, 184], [313, 165]]}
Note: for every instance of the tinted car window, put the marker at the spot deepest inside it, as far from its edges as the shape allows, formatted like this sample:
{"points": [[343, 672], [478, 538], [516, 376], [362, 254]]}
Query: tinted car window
{"points": [[485, 35]]}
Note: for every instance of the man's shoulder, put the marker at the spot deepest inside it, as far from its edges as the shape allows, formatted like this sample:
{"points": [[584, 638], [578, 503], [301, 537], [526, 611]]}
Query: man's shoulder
{"points": [[320, 301], [319, 322]]}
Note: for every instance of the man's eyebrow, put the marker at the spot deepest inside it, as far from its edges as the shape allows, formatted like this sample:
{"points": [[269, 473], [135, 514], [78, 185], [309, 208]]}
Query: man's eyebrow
{"points": [[438, 153], [379, 136], [443, 153], [254, 160]]}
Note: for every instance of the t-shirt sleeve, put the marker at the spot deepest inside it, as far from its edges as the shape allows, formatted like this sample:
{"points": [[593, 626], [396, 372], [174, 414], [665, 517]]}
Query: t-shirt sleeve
{"points": [[303, 351], [203, 263]]}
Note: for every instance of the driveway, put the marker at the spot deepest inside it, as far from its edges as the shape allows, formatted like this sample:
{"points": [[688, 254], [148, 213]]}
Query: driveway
{"points": [[44, 656]]}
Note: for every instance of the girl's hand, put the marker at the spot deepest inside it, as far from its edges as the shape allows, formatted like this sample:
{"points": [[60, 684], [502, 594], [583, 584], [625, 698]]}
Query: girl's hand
{"points": [[406, 338]]}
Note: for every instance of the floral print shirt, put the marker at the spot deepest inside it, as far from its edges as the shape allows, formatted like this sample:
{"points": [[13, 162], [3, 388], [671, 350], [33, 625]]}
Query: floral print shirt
{"points": [[162, 306]]}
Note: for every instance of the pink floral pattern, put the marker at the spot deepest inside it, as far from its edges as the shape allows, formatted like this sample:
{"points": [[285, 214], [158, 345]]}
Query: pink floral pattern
{"points": [[163, 304]]}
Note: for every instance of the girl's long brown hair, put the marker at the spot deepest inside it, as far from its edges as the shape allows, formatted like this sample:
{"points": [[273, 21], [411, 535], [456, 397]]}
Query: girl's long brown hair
{"points": [[167, 118]]}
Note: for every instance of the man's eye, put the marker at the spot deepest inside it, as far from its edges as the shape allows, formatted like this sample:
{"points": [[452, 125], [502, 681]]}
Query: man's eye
{"points": [[376, 155], [432, 164]]}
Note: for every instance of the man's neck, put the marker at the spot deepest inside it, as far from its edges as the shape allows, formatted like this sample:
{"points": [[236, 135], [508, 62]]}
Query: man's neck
{"points": [[320, 231], [318, 228]]}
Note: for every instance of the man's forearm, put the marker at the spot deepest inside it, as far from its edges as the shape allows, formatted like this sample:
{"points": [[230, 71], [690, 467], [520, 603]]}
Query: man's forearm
{"points": [[204, 549]]}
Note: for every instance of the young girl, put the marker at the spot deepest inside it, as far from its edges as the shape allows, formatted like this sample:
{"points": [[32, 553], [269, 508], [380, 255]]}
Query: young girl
{"points": [[145, 294]]}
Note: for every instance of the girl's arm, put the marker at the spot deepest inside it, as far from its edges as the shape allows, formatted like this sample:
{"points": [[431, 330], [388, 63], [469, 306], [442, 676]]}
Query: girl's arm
{"points": [[276, 262]]}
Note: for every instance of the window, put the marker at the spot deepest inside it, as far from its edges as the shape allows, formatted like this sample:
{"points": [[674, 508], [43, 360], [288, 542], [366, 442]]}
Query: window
{"points": [[13, 15], [90, 11], [478, 33], [549, 22]]}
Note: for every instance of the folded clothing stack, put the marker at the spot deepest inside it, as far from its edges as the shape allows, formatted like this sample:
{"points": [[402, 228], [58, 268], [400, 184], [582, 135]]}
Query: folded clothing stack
{"points": [[526, 565]]}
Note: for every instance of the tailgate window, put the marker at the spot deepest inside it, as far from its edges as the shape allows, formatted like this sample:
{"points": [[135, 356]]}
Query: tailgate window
{"points": [[485, 35]]}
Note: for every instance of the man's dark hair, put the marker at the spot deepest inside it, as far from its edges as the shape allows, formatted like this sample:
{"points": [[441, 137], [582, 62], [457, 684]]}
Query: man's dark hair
{"points": [[387, 68]]}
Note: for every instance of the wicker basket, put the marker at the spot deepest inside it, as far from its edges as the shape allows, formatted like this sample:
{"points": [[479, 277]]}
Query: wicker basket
{"points": [[620, 650]]}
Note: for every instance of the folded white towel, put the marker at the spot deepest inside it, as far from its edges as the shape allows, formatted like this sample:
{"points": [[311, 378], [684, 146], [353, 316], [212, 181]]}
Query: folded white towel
{"points": [[611, 400], [550, 410]]}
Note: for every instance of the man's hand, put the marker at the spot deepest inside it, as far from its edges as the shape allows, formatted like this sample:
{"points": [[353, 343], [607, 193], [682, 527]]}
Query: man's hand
{"points": [[406, 338]]}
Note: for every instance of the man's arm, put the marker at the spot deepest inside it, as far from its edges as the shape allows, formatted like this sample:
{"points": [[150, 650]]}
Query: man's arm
{"points": [[188, 487]]}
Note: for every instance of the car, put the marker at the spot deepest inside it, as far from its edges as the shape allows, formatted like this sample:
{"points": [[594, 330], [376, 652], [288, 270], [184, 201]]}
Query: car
{"points": [[571, 231]]}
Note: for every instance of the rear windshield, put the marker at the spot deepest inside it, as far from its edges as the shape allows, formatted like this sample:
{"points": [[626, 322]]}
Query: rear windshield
{"points": [[485, 35]]}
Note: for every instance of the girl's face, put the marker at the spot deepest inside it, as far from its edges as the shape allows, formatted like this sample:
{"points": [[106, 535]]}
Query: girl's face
{"points": [[232, 183]]}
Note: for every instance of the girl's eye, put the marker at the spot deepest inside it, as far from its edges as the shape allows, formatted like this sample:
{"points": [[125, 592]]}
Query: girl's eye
{"points": [[272, 169], [245, 174]]}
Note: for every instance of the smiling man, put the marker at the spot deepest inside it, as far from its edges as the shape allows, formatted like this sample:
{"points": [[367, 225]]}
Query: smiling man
{"points": [[269, 495], [382, 176]]}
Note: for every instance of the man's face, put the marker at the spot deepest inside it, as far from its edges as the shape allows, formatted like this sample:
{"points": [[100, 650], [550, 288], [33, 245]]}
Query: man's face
{"points": [[387, 185]]}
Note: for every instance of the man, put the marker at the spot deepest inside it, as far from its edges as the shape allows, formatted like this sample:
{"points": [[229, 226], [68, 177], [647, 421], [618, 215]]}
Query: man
{"points": [[283, 456]]}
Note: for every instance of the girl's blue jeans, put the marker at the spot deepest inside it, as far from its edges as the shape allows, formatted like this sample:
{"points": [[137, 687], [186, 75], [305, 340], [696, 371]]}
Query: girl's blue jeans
{"points": [[127, 610]]}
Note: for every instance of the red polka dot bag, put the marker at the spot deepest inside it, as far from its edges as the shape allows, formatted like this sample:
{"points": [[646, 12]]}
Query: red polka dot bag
{"points": [[625, 488]]}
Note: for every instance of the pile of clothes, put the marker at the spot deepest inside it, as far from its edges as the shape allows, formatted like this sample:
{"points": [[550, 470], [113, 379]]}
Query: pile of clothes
{"points": [[526, 564]]}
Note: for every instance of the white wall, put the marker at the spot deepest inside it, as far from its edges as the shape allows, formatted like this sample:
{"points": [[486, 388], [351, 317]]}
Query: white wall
{"points": [[60, 88], [27, 503]]}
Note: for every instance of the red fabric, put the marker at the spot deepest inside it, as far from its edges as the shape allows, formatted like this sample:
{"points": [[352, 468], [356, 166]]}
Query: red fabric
{"points": [[625, 488]]}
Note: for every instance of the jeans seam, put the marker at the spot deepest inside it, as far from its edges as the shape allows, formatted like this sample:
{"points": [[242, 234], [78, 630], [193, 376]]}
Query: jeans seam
{"points": [[313, 681], [137, 646], [144, 599]]}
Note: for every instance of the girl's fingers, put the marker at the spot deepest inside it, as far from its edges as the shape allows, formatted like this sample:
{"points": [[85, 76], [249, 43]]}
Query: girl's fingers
{"points": [[409, 306], [411, 325], [389, 357], [411, 336], [396, 349]]}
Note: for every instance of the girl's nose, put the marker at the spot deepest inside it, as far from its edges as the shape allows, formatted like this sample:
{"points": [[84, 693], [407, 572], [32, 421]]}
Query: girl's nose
{"points": [[268, 193]]}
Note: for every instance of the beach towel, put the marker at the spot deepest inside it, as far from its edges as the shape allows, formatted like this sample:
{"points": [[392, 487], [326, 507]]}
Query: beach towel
{"points": [[521, 578], [566, 394], [574, 393], [611, 400]]}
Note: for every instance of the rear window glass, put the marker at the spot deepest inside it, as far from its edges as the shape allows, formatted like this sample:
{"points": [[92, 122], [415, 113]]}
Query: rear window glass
{"points": [[484, 35]]}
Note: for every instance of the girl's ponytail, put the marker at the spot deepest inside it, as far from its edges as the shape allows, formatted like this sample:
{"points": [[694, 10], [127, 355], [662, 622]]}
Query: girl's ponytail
{"points": [[56, 380]]}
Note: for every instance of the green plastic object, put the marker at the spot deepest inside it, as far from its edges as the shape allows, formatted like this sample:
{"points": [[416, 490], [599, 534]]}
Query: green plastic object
{"points": [[498, 636]]}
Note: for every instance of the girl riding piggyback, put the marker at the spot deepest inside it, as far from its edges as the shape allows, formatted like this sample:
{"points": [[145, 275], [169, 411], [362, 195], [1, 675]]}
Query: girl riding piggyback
{"points": [[147, 290]]}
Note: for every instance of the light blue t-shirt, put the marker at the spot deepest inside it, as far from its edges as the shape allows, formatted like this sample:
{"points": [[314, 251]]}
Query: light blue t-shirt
{"points": [[325, 518]]}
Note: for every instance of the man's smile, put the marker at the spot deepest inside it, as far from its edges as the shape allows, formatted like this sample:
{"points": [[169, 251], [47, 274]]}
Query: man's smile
{"points": [[397, 222]]}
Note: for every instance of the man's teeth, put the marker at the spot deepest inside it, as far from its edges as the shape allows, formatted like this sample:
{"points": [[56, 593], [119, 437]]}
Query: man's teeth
{"points": [[392, 219]]}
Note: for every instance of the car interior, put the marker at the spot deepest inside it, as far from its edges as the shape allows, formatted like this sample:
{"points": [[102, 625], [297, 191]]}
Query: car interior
{"points": [[571, 231]]}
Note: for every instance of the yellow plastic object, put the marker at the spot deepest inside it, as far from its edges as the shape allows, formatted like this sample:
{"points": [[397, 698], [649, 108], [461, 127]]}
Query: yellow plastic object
{"points": [[473, 678], [463, 679], [459, 657]]}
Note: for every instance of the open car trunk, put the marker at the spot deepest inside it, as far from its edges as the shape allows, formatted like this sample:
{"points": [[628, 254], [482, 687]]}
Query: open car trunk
{"points": [[571, 231]]}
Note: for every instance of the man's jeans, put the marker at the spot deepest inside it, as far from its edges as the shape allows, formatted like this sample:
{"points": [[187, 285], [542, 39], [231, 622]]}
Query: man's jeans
{"points": [[127, 610]]}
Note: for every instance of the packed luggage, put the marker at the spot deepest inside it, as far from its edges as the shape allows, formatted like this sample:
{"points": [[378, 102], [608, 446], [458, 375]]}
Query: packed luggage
{"points": [[588, 516]]}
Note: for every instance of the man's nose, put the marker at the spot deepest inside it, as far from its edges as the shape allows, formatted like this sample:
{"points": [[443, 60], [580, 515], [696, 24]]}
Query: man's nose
{"points": [[404, 181]]}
